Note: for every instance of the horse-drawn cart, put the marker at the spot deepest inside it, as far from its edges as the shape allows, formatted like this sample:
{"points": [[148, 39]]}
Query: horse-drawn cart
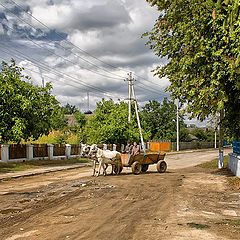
{"points": [[141, 162]]}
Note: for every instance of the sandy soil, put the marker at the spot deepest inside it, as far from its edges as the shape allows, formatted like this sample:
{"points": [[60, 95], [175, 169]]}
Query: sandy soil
{"points": [[73, 205]]}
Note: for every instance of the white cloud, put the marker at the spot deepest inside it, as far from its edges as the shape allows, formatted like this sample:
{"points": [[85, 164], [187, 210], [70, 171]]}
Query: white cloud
{"points": [[109, 30]]}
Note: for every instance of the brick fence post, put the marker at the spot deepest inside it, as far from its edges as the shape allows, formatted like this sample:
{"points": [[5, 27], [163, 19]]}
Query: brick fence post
{"points": [[5, 152], [29, 151], [50, 151]]}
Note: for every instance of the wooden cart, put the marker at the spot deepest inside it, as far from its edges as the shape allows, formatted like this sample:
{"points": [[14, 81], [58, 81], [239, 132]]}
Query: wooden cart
{"points": [[141, 162]]}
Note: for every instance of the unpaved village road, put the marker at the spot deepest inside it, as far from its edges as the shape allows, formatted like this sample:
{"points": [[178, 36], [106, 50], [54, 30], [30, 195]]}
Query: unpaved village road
{"points": [[73, 205]]}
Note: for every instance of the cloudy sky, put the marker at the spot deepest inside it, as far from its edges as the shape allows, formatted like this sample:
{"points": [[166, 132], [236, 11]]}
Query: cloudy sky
{"points": [[83, 47]]}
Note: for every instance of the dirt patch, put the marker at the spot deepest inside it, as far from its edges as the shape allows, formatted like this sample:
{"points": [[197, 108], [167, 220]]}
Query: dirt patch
{"points": [[173, 205]]}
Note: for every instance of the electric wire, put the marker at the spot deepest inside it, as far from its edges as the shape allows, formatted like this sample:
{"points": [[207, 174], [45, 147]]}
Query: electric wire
{"points": [[69, 84], [52, 52], [59, 73], [89, 62], [79, 47]]}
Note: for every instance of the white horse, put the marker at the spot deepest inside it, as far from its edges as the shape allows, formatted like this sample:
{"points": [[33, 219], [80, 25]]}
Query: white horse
{"points": [[104, 158]]}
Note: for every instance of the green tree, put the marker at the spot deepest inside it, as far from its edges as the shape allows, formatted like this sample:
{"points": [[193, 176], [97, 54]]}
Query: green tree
{"points": [[79, 129], [69, 109], [58, 121], [200, 134], [160, 119], [110, 124], [201, 39], [25, 110]]}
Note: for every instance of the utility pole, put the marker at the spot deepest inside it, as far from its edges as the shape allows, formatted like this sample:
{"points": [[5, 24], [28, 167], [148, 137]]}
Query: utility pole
{"points": [[220, 159], [215, 138], [132, 93], [177, 124], [129, 98], [42, 81], [88, 105]]}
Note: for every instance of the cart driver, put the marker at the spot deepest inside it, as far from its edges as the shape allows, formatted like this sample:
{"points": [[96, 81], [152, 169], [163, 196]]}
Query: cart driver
{"points": [[135, 149], [128, 148]]}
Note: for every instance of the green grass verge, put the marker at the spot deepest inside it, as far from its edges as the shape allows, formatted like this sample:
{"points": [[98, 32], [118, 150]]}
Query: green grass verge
{"points": [[20, 166], [197, 225], [214, 163]]}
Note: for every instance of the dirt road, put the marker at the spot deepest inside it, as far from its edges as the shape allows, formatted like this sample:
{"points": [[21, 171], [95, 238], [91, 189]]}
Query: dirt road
{"points": [[183, 203]]}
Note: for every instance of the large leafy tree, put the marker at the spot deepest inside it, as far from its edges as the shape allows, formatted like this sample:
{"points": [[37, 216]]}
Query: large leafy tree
{"points": [[110, 124], [25, 110], [201, 40], [160, 119]]}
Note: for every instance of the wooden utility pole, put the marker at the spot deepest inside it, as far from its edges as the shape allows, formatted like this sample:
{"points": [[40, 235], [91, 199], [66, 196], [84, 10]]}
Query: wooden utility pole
{"points": [[129, 97], [132, 93]]}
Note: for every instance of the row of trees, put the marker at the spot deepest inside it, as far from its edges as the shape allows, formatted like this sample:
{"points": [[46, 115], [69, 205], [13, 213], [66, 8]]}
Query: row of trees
{"points": [[31, 111]]}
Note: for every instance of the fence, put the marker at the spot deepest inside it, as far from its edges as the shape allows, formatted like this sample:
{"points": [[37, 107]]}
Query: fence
{"points": [[75, 149], [160, 145], [100, 146], [40, 150], [59, 150], [236, 147], [17, 151], [192, 145]]}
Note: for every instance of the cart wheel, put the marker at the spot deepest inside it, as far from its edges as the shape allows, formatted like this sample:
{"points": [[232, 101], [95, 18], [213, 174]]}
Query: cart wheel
{"points": [[136, 167], [117, 169], [144, 167], [161, 166]]}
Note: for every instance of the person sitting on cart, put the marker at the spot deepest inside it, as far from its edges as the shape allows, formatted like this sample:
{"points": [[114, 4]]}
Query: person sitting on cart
{"points": [[135, 149], [128, 148]]}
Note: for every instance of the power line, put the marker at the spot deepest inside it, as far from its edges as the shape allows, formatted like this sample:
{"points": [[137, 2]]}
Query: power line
{"points": [[89, 62], [68, 83], [150, 90], [79, 47], [57, 72], [52, 52]]}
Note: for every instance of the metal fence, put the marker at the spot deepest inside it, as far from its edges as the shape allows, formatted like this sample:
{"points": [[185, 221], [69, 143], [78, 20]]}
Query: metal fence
{"points": [[17, 151], [236, 147], [40, 150]]}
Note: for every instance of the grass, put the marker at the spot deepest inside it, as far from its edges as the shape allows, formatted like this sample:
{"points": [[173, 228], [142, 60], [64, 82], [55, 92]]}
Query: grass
{"points": [[214, 163], [231, 222], [197, 225], [233, 182], [20, 166]]}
